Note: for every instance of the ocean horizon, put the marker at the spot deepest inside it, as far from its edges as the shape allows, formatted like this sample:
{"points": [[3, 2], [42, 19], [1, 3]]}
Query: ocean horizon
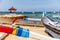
{"points": [[52, 15]]}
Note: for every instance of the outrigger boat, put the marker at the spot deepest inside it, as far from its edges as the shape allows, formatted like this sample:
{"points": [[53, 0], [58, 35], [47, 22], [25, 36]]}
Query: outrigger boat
{"points": [[21, 32], [21, 19], [53, 28]]}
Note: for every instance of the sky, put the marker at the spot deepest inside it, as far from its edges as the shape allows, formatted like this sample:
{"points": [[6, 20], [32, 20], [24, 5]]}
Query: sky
{"points": [[30, 5]]}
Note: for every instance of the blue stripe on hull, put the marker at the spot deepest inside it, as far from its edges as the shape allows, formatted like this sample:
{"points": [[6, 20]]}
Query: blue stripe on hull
{"points": [[22, 32], [52, 33]]}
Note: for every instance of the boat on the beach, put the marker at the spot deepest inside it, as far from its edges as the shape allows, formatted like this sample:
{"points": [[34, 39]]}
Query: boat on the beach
{"points": [[20, 19], [32, 34], [53, 28]]}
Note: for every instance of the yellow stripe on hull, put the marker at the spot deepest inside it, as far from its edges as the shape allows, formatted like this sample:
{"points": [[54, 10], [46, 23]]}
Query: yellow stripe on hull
{"points": [[14, 31]]}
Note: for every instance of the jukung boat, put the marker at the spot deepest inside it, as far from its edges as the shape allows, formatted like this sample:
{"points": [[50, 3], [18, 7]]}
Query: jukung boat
{"points": [[21, 19], [53, 28], [21, 32]]}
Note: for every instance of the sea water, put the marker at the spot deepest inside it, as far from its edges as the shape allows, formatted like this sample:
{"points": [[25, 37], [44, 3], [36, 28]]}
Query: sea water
{"points": [[53, 16], [28, 14]]}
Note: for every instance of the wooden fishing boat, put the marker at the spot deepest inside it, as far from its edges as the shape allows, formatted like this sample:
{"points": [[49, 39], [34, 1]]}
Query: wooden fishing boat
{"points": [[53, 28], [20, 20], [34, 29]]}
